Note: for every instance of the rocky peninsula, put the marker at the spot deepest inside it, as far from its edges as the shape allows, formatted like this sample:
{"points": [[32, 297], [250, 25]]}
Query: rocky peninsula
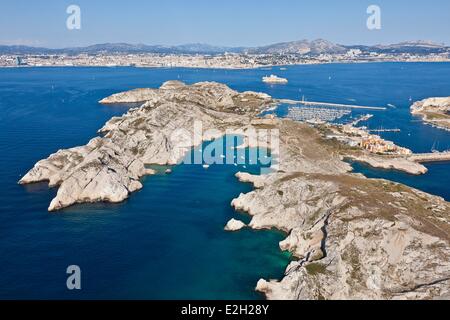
{"points": [[435, 111], [351, 237], [108, 168]]}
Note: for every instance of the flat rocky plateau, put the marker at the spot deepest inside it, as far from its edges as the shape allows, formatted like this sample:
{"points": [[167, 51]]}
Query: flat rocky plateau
{"points": [[351, 237]]}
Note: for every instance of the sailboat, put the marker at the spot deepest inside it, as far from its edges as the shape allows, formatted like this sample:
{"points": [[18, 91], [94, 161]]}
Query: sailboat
{"points": [[433, 148]]}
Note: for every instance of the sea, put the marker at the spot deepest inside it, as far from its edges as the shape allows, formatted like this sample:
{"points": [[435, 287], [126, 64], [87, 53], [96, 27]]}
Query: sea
{"points": [[167, 240]]}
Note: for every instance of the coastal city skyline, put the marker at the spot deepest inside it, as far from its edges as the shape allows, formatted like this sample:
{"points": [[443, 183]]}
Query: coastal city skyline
{"points": [[231, 24]]}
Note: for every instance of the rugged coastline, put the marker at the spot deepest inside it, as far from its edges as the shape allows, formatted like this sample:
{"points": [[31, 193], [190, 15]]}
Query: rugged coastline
{"points": [[434, 111], [353, 237]]}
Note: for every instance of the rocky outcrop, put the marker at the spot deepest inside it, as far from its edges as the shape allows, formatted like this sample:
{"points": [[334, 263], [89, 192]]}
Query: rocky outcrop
{"points": [[234, 225], [99, 171], [397, 163], [141, 94], [435, 111], [257, 180]]}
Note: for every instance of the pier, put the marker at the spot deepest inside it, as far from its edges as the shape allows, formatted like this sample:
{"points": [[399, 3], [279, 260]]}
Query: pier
{"points": [[430, 157], [327, 104], [316, 113], [384, 130]]}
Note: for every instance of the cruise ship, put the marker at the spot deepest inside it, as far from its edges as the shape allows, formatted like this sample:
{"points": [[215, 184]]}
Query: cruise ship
{"points": [[274, 79]]}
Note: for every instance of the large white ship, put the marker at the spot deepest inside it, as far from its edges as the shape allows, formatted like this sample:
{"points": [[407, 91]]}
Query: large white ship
{"points": [[274, 79]]}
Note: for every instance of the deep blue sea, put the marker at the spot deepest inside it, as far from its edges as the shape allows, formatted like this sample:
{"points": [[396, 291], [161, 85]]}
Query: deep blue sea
{"points": [[167, 240]]}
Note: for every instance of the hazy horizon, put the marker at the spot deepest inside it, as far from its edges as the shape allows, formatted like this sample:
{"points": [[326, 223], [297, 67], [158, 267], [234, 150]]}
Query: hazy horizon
{"points": [[218, 45], [233, 23]]}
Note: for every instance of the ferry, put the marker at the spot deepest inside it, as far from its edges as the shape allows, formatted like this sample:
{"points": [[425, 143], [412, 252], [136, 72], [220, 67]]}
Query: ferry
{"points": [[274, 79]]}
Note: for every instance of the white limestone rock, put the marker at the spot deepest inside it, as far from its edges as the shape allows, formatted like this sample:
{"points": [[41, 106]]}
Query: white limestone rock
{"points": [[354, 238], [435, 111], [159, 132], [401, 164], [234, 225]]}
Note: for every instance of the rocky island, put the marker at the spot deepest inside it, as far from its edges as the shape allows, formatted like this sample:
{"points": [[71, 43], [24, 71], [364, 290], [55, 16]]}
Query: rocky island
{"points": [[435, 111], [351, 237]]}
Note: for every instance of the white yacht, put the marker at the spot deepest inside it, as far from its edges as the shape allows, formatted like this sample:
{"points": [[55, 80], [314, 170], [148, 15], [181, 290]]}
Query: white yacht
{"points": [[274, 79]]}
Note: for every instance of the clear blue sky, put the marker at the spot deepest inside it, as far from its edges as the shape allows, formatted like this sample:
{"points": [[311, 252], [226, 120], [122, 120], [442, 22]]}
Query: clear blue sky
{"points": [[225, 22]]}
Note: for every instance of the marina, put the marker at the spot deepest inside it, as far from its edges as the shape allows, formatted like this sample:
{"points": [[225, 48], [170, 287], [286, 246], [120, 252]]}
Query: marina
{"points": [[328, 104], [384, 130], [309, 114]]}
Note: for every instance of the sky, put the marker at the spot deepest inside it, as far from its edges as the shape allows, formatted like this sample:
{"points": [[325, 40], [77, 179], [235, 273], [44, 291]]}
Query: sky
{"points": [[221, 22]]}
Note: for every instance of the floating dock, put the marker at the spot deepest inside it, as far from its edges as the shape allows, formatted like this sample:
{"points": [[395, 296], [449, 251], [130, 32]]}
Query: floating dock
{"points": [[327, 104]]}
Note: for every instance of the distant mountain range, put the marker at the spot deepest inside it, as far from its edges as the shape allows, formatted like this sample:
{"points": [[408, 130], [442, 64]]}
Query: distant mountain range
{"points": [[420, 47], [122, 48], [302, 47], [318, 46]]}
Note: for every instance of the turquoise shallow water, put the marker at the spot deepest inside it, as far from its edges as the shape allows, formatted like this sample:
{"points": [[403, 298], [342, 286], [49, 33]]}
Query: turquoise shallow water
{"points": [[167, 240]]}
